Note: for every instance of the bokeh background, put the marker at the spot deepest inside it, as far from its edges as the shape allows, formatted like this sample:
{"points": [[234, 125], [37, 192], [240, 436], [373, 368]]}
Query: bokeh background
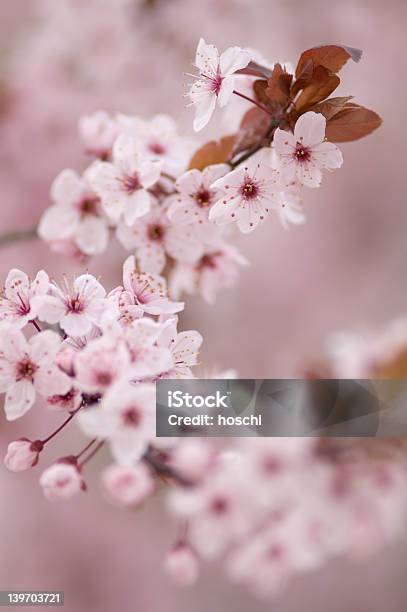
{"points": [[344, 269]]}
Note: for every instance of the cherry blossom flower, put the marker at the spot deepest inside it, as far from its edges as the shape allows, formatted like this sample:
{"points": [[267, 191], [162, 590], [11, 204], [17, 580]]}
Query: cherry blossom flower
{"points": [[218, 268], [142, 293], [158, 140], [98, 132], [181, 564], [122, 184], [196, 195], [76, 216], [147, 358], [153, 237], [126, 418], [249, 194], [17, 303], [61, 481], [127, 484], [101, 363], [216, 81], [305, 153], [184, 347], [69, 401], [76, 308], [28, 368], [22, 455]]}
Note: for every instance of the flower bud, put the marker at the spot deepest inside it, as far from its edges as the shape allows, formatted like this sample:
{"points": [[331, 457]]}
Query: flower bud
{"points": [[65, 361], [61, 480], [128, 485], [181, 563], [22, 455]]}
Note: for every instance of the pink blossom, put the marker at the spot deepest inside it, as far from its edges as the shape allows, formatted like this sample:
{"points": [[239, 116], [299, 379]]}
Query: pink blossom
{"points": [[123, 184], [69, 401], [184, 347], [181, 564], [17, 303], [217, 269], [153, 238], [192, 457], [100, 364], [77, 307], [142, 293], [126, 418], [305, 153], [158, 140], [249, 194], [147, 358], [195, 195], [216, 81], [28, 368], [76, 216], [22, 455], [98, 132], [128, 485], [61, 481]]}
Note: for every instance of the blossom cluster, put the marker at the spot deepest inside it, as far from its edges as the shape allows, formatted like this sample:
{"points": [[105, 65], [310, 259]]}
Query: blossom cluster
{"points": [[271, 507]]}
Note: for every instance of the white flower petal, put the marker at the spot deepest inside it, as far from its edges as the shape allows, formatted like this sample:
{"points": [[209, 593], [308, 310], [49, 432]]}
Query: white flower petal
{"points": [[19, 399]]}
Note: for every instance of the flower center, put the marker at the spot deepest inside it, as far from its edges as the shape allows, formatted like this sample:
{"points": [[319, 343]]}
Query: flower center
{"points": [[301, 153], [89, 206], [156, 232], [208, 260], [104, 378], [26, 369], [131, 417], [215, 82], [203, 197], [75, 305], [250, 189], [24, 307], [219, 505], [131, 183], [157, 148]]}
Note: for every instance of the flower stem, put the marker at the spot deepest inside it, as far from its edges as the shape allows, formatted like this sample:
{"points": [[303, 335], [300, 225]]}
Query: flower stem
{"points": [[37, 327], [92, 454], [162, 469], [18, 236], [87, 447], [61, 427], [258, 104]]}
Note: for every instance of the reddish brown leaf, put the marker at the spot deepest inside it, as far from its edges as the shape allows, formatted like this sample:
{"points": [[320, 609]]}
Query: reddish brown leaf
{"points": [[253, 128], [278, 86], [332, 106], [351, 123], [259, 88], [255, 69], [213, 152], [320, 86], [332, 57]]}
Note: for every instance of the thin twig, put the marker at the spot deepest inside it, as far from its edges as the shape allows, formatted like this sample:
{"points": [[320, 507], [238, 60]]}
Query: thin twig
{"points": [[162, 469], [18, 236]]}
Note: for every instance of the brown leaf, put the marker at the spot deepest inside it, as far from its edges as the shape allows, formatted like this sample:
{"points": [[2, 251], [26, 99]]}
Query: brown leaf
{"points": [[259, 88], [278, 86], [255, 69], [253, 128], [213, 152], [351, 123], [332, 57], [320, 86], [332, 106]]}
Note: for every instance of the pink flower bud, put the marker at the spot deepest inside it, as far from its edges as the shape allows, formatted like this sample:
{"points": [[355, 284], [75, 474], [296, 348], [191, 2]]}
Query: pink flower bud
{"points": [[22, 455], [65, 360], [181, 563], [98, 132], [61, 480], [192, 457], [128, 485]]}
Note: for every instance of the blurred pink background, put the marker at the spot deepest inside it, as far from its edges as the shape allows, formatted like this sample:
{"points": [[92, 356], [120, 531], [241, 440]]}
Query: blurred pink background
{"points": [[345, 268]]}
